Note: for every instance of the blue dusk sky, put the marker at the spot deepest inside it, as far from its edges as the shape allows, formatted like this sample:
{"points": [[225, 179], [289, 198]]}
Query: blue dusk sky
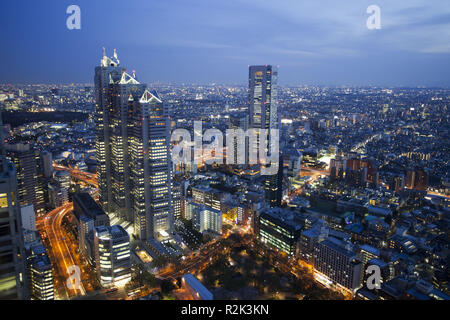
{"points": [[315, 42]]}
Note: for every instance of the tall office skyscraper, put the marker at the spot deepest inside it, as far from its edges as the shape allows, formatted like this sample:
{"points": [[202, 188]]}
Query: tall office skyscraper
{"points": [[238, 121], [26, 160], [176, 200], [263, 114], [263, 97], [132, 139], [13, 281], [47, 164]]}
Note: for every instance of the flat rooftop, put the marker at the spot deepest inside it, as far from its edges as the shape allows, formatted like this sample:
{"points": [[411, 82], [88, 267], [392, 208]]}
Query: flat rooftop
{"points": [[197, 286]]}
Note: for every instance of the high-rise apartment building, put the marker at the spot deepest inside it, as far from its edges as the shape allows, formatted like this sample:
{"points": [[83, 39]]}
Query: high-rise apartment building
{"points": [[207, 219], [132, 139], [338, 264]]}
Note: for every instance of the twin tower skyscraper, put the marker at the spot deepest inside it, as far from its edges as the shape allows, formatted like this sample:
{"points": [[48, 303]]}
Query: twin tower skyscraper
{"points": [[132, 133], [132, 145]]}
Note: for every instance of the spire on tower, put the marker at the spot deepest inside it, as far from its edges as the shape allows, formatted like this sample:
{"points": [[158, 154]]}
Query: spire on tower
{"points": [[109, 62], [116, 57]]}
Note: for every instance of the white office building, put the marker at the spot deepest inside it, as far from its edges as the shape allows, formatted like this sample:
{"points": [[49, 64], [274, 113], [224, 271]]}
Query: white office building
{"points": [[112, 255]]}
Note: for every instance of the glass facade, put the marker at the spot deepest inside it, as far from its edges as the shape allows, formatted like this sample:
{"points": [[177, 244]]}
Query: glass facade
{"points": [[132, 144]]}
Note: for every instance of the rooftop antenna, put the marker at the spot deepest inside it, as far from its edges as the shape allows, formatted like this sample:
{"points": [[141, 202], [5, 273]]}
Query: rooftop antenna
{"points": [[104, 51]]}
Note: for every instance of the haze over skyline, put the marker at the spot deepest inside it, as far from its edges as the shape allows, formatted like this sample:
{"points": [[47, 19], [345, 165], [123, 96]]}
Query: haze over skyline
{"points": [[313, 43]]}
